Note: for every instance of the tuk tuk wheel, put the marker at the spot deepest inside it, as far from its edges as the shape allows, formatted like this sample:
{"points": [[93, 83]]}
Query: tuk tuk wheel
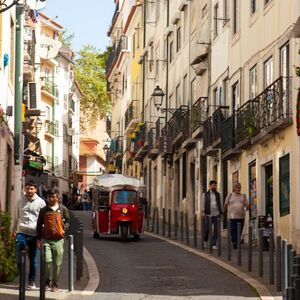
{"points": [[96, 235], [124, 232]]}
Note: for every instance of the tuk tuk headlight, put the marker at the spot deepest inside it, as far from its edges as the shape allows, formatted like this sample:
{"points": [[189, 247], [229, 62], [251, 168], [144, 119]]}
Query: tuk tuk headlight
{"points": [[124, 211]]}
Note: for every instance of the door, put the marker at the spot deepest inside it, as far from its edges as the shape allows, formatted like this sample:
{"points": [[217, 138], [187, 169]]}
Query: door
{"points": [[193, 183], [103, 212], [269, 190]]}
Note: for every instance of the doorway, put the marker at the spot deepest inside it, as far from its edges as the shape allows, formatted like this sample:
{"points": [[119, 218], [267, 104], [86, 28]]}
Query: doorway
{"points": [[193, 185], [269, 190], [8, 179]]}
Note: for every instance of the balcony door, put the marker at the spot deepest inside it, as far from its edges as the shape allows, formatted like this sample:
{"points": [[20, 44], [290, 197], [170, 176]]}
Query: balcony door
{"points": [[269, 190], [269, 95]]}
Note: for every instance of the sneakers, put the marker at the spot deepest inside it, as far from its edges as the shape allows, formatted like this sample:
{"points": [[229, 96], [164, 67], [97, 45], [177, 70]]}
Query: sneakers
{"points": [[215, 247], [54, 287], [31, 286]]}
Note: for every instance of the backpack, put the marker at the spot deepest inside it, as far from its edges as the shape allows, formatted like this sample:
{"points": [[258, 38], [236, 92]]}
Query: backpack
{"points": [[54, 224]]}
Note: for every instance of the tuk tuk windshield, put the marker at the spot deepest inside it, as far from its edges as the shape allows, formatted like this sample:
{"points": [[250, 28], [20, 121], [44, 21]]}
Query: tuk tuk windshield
{"points": [[124, 197]]}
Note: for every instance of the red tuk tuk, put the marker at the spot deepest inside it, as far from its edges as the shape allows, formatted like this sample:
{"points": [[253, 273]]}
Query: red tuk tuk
{"points": [[117, 207]]}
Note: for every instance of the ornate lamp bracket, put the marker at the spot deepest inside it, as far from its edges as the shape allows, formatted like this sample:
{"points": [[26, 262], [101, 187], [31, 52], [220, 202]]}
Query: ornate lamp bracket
{"points": [[5, 5]]}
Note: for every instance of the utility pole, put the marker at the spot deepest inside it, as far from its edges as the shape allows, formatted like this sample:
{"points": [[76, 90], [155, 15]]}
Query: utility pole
{"points": [[18, 141]]}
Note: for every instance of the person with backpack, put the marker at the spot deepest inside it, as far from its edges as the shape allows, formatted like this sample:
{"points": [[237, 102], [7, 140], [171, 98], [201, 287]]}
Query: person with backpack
{"points": [[53, 221], [236, 205], [24, 229]]}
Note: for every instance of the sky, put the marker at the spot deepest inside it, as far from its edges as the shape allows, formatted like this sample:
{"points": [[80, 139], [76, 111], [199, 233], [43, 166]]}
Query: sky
{"points": [[89, 20]]}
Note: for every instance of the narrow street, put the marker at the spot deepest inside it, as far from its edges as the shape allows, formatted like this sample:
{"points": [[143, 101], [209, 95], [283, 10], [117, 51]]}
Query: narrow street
{"points": [[153, 267]]}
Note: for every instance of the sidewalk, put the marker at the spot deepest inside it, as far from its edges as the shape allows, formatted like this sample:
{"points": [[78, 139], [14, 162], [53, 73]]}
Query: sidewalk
{"points": [[10, 291], [234, 255]]}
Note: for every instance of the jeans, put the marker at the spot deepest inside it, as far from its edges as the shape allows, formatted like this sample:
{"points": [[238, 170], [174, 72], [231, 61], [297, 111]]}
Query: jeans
{"points": [[23, 241], [233, 231], [53, 256], [215, 221]]}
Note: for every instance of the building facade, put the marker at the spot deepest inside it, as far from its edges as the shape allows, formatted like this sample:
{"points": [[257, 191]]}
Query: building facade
{"points": [[226, 73]]}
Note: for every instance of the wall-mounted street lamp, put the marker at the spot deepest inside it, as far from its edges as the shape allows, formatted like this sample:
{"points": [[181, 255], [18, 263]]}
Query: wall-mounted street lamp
{"points": [[158, 96], [105, 149]]}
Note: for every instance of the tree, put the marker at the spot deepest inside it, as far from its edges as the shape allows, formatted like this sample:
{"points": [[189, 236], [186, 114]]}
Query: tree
{"points": [[66, 38], [91, 76]]}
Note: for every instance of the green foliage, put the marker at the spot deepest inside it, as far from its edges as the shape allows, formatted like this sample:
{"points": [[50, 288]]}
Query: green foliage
{"points": [[66, 38], [91, 76], [8, 266]]}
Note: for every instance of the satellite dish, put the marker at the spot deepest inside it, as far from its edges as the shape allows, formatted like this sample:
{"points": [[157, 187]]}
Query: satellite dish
{"points": [[36, 4], [47, 48]]}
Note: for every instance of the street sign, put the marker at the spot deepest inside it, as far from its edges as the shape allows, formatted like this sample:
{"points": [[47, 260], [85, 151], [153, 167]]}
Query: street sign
{"points": [[165, 144]]}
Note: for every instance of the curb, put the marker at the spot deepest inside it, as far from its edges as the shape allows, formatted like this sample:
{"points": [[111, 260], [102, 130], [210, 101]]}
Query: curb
{"points": [[261, 289]]}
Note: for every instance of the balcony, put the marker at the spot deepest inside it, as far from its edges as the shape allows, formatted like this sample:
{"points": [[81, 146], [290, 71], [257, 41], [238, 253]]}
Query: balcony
{"points": [[116, 51], [131, 118], [49, 88], [212, 132], [199, 114], [50, 129], [153, 152], [258, 119], [141, 145]]}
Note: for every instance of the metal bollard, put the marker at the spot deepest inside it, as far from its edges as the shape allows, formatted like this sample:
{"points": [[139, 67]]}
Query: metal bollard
{"points": [[289, 265], [22, 276], [228, 240], [163, 221], [260, 253], [175, 224], [71, 263], [271, 259], [202, 232], [239, 246], [278, 263], [187, 232], [284, 265], [219, 240], [181, 226], [195, 230], [42, 273], [157, 221], [153, 220], [210, 235], [169, 223], [250, 253]]}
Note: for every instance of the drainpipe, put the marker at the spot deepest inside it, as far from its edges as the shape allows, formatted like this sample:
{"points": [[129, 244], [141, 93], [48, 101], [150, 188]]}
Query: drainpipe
{"points": [[18, 138], [167, 62], [144, 66]]}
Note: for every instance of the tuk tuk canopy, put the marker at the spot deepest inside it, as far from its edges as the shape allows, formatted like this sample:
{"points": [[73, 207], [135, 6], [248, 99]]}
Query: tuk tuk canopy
{"points": [[110, 182]]}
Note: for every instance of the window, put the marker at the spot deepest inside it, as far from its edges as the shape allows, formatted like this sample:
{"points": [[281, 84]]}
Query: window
{"points": [[225, 11], [284, 61], [171, 52], [65, 102], [268, 72], [253, 7], [193, 90], [224, 96], [235, 16], [186, 24], [151, 62], [66, 73], [124, 197], [178, 36], [65, 133], [216, 14], [184, 181], [133, 44], [178, 95], [157, 60], [65, 169], [138, 36], [284, 185], [235, 97], [215, 97], [253, 82], [185, 90], [48, 113]]}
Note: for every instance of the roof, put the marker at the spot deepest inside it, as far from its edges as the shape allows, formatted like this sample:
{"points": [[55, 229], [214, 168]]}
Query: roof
{"points": [[118, 181]]}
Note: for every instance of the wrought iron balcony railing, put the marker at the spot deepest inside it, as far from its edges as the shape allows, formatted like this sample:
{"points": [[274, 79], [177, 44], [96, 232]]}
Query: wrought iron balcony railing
{"points": [[115, 53], [151, 139], [175, 123], [199, 112], [50, 87], [228, 134], [158, 128], [130, 114], [50, 128]]}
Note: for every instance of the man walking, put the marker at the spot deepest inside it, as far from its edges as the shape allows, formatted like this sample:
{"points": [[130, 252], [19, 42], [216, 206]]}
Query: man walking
{"points": [[24, 226], [211, 207]]}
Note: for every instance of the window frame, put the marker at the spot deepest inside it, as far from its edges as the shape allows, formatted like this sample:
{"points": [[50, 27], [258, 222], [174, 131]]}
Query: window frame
{"points": [[284, 208]]}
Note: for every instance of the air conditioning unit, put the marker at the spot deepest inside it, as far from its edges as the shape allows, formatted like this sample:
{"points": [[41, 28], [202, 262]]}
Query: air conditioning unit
{"points": [[33, 95]]}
